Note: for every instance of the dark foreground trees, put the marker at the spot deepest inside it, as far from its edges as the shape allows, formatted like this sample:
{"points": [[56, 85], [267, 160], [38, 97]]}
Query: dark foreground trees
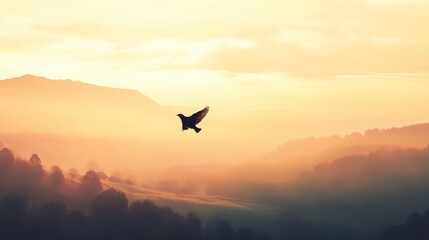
{"points": [[110, 217], [415, 228], [33, 206]]}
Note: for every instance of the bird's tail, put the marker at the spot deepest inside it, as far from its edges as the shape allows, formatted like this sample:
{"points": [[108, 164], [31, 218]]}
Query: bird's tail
{"points": [[197, 129]]}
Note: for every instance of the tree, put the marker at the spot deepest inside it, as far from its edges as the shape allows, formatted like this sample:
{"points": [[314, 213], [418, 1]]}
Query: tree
{"points": [[13, 214], [90, 184], [56, 178], [35, 161], [6, 162], [110, 205], [36, 167], [220, 229]]}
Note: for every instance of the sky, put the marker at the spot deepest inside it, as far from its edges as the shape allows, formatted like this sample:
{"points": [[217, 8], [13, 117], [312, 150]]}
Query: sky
{"points": [[272, 55]]}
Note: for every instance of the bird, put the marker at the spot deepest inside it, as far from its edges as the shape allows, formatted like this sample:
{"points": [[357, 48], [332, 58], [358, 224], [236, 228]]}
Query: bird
{"points": [[193, 120]]}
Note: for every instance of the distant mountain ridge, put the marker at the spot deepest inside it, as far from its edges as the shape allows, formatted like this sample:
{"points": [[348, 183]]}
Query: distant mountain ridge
{"points": [[416, 135], [36, 86], [297, 156], [40, 105]]}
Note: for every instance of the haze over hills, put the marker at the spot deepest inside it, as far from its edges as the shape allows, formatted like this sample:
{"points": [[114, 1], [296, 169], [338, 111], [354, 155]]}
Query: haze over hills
{"points": [[361, 192], [86, 123], [380, 173], [71, 123], [79, 125], [293, 158]]}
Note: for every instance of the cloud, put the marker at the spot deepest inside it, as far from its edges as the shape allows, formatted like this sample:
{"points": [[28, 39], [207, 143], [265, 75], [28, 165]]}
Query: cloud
{"points": [[301, 39], [90, 46], [354, 38], [171, 53]]}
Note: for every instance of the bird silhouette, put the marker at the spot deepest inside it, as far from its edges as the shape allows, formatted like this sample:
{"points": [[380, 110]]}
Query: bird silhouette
{"points": [[193, 120]]}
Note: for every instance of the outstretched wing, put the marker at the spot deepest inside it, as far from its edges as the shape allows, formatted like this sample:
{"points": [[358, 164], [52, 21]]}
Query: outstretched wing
{"points": [[198, 116]]}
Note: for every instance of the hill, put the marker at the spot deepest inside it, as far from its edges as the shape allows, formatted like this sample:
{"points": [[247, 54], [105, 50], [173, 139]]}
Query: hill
{"points": [[31, 104], [293, 158]]}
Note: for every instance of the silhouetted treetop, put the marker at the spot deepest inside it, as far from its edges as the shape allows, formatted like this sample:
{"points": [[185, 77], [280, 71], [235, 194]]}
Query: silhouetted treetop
{"points": [[90, 184], [110, 204], [56, 178]]}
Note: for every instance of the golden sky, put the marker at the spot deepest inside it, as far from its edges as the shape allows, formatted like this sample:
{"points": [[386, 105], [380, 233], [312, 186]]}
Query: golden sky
{"points": [[231, 54]]}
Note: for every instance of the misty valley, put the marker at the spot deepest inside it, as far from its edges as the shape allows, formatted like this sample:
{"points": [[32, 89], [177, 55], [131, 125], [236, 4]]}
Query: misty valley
{"points": [[63, 176]]}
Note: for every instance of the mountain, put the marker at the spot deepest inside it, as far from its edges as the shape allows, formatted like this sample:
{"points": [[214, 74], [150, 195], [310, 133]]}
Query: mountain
{"points": [[33, 104], [296, 157], [68, 90]]}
